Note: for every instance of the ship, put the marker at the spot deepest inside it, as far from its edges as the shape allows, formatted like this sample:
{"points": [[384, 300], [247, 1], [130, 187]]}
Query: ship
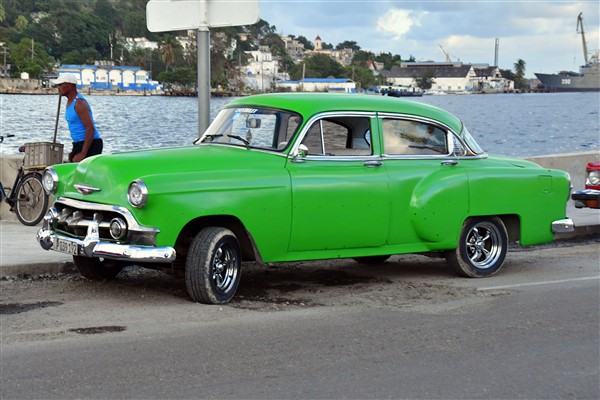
{"points": [[586, 80]]}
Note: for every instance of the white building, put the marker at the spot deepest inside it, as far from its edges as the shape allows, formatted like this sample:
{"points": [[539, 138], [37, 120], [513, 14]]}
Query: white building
{"points": [[109, 77], [262, 71], [343, 56], [332, 85]]}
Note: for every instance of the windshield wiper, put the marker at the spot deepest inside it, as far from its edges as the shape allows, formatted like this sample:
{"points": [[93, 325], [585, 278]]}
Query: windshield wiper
{"points": [[247, 143], [210, 137]]}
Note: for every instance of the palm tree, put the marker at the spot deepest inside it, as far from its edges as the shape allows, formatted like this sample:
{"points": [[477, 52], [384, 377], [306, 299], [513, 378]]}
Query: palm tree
{"points": [[519, 68], [168, 51]]}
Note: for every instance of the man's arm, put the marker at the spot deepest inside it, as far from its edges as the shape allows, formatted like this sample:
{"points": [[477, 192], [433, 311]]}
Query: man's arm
{"points": [[83, 111]]}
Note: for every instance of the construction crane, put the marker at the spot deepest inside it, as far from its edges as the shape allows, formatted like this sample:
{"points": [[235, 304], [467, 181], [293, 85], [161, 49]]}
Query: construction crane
{"points": [[446, 54], [580, 30]]}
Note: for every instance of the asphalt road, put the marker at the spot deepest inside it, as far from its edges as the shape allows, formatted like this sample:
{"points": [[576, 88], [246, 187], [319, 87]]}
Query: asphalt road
{"points": [[403, 329]]}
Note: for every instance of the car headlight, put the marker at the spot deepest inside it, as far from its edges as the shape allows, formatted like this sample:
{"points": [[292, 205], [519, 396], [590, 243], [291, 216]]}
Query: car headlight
{"points": [[50, 180], [593, 178], [137, 193]]}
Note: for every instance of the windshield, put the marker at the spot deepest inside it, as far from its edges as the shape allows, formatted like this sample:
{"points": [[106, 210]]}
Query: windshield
{"points": [[255, 127], [470, 141]]}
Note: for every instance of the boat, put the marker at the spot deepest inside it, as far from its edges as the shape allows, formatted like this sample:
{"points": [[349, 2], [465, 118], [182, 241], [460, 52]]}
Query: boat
{"points": [[587, 79], [400, 91]]}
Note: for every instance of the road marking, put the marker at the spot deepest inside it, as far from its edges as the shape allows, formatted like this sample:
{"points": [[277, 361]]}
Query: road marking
{"points": [[517, 285]]}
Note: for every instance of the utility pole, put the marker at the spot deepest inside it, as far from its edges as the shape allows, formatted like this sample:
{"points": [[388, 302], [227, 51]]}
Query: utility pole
{"points": [[5, 53]]}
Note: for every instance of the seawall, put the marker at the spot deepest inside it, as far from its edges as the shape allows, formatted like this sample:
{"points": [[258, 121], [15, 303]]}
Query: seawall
{"points": [[573, 163]]}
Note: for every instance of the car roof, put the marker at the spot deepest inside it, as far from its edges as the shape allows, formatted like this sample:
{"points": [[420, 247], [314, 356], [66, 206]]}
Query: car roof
{"points": [[309, 104]]}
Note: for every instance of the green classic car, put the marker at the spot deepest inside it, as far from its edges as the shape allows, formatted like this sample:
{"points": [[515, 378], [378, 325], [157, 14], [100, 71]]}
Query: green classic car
{"points": [[289, 177]]}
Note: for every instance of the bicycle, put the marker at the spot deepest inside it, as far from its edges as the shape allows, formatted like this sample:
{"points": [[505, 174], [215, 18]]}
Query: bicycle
{"points": [[27, 197]]}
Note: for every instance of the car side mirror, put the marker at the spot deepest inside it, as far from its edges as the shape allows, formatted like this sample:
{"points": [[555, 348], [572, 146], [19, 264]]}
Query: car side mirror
{"points": [[302, 150]]}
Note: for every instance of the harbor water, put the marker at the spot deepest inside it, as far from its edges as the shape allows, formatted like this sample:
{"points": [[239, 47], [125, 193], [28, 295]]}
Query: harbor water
{"points": [[518, 125]]}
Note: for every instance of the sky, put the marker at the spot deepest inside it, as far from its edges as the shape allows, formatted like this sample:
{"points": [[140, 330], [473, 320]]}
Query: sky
{"points": [[542, 33]]}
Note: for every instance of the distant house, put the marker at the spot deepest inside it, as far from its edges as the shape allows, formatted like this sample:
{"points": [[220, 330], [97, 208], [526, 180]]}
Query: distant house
{"points": [[449, 77], [262, 70], [489, 79], [343, 56], [332, 85], [109, 77], [293, 48]]}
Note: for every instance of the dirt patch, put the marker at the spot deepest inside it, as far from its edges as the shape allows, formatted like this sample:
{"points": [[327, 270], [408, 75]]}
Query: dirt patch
{"points": [[17, 308], [94, 330]]}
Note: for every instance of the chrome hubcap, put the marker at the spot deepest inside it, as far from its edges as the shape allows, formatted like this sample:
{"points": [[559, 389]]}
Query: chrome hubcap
{"points": [[483, 245], [225, 269]]}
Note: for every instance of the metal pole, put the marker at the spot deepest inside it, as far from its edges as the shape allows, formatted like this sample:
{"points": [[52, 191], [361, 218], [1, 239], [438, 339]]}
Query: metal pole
{"points": [[203, 44]]}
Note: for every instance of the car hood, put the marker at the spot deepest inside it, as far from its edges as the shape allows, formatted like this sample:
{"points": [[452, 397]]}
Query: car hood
{"points": [[163, 170]]}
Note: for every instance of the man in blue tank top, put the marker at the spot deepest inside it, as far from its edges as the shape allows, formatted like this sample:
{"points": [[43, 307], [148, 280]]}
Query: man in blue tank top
{"points": [[85, 136]]}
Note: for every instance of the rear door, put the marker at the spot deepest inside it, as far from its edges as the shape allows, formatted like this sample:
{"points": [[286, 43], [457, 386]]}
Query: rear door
{"points": [[429, 189]]}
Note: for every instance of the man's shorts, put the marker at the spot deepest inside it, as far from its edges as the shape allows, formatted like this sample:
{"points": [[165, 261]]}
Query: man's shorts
{"points": [[95, 148]]}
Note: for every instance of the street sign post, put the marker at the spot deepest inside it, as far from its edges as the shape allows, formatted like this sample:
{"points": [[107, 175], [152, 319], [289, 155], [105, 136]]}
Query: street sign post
{"points": [[176, 15]]}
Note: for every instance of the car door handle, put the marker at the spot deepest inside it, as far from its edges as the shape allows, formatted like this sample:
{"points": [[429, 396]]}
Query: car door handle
{"points": [[450, 163], [373, 164]]}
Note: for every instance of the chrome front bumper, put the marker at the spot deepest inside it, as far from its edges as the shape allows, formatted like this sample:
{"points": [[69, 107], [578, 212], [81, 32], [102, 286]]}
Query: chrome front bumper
{"points": [[563, 226], [91, 246]]}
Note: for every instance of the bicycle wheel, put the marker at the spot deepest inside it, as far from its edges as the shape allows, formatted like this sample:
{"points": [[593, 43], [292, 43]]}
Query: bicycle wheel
{"points": [[32, 201]]}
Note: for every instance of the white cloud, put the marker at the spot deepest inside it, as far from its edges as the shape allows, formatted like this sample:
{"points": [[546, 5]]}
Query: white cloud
{"points": [[399, 22], [541, 32]]}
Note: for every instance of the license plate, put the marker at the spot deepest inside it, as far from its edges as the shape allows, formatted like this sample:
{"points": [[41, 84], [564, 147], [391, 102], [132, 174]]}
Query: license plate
{"points": [[67, 247]]}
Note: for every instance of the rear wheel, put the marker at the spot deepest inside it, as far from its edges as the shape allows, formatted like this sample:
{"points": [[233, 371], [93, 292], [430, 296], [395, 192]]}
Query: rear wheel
{"points": [[32, 201], [97, 269], [213, 266], [481, 248]]}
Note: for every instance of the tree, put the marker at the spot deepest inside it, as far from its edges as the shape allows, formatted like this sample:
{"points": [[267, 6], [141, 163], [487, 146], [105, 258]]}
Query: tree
{"points": [[318, 66], [348, 45], [21, 23], [307, 44], [168, 50], [363, 76], [78, 31], [180, 77], [519, 68], [24, 61], [134, 25], [426, 79]]}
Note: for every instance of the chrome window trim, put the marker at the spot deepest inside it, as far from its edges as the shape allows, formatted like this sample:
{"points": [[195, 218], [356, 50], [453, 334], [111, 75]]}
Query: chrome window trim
{"points": [[294, 152], [450, 133]]}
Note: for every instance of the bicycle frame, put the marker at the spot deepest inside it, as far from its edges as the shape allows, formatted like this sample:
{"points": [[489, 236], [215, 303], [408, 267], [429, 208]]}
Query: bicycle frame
{"points": [[27, 198], [11, 197]]}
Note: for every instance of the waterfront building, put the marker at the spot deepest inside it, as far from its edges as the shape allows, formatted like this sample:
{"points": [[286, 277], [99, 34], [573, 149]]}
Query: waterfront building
{"points": [[332, 85], [450, 77], [105, 76]]}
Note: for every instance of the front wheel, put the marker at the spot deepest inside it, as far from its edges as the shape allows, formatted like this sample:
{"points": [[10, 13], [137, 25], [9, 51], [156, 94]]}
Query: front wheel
{"points": [[481, 248], [97, 269], [32, 201], [213, 266]]}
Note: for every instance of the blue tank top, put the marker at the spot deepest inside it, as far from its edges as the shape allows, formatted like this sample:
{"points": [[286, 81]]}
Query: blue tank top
{"points": [[76, 127]]}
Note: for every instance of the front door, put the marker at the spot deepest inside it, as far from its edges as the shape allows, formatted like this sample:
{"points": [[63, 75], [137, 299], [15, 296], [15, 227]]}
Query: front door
{"points": [[340, 194]]}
